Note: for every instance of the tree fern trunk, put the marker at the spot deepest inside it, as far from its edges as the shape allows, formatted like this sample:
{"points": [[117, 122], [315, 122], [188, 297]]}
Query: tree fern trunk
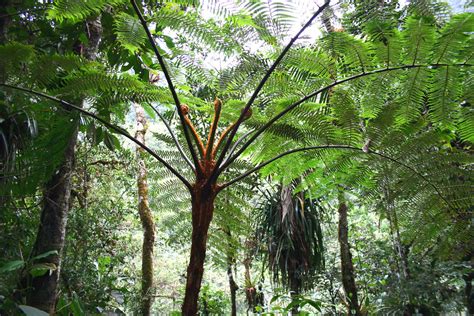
{"points": [[146, 218], [202, 212], [347, 268], [43, 290]]}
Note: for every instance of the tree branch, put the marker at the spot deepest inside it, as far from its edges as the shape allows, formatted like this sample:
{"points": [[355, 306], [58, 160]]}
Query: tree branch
{"points": [[345, 147], [217, 171], [170, 85], [117, 129], [175, 140], [315, 93]]}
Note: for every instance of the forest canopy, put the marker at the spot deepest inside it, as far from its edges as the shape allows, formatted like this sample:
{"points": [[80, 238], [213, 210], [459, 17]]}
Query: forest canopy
{"points": [[236, 157]]}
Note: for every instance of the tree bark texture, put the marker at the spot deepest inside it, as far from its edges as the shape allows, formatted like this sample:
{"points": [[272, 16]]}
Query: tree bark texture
{"points": [[146, 218], [4, 20], [42, 291], [233, 287], [347, 268], [233, 290], [52, 232], [203, 197]]}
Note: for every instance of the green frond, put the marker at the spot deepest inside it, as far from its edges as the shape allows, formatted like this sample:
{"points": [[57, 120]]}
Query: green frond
{"points": [[418, 39], [443, 98], [77, 10], [413, 91], [207, 32], [453, 36], [352, 55], [346, 116], [466, 125], [130, 33], [386, 42], [273, 18]]}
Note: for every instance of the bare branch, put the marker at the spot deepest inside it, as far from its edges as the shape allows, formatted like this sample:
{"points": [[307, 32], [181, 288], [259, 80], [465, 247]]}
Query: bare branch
{"points": [[217, 171], [170, 85], [344, 147], [117, 129], [306, 98]]}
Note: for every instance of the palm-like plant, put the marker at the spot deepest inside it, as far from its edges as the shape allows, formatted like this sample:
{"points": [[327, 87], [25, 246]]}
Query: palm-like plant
{"points": [[289, 225], [419, 62]]}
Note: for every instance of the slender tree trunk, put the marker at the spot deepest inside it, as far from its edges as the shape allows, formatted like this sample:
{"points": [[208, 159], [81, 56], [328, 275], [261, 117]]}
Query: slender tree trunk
{"points": [[295, 286], [43, 290], [232, 285], [146, 218], [202, 211], [347, 267], [233, 290]]}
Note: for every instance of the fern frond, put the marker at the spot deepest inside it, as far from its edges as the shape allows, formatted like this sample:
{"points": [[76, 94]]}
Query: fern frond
{"points": [[418, 39], [452, 36], [77, 10], [443, 98], [130, 33]]}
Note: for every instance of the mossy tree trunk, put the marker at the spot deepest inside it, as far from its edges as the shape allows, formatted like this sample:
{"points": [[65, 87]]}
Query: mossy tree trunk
{"points": [[42, 291], [146, 217]]}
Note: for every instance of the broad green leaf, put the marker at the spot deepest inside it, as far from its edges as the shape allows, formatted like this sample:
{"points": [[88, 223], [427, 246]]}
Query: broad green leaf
{"points": [[46, 254], [76, 306], [41, 269], [12, 266]]}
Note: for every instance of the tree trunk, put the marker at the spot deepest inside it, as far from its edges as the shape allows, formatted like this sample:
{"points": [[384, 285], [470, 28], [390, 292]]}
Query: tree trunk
{"points": [[347, 268], [202, 211], [233, 290], [469, 293], [230, 261], [5, 20], [146, 218], [52, 232], [43, 290]]}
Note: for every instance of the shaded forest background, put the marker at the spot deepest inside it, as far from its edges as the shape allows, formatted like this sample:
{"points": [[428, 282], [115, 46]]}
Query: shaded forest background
{"points": [[179, 157]]}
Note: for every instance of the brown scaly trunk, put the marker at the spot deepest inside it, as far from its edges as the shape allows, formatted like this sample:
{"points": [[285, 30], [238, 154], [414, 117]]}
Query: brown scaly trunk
{"points": [[43, 290], [146, 218], [202, 211], [347, 268]]}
